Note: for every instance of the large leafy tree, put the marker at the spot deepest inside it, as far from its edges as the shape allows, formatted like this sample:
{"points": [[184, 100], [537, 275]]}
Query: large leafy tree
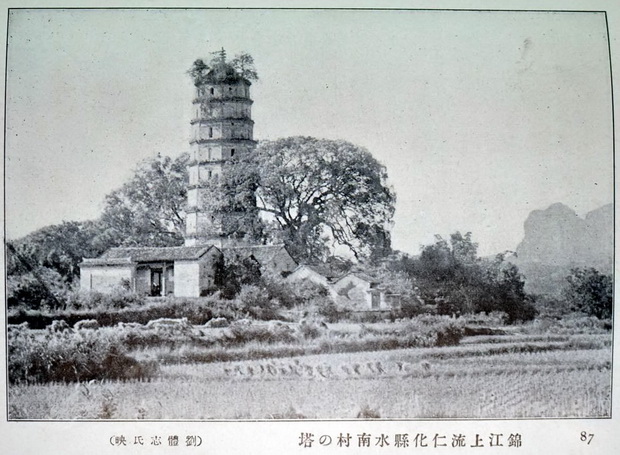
{"points": [[44, 264], [231, 200], [590, 291], [58, 247], [148, 210], [320, 192], [451, 274]]}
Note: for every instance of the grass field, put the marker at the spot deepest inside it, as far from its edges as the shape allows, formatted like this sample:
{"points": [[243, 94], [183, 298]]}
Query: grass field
{"points": [[511, 376]]}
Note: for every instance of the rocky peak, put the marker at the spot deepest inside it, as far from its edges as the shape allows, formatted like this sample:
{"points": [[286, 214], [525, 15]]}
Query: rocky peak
{"points": [[558, 236]]}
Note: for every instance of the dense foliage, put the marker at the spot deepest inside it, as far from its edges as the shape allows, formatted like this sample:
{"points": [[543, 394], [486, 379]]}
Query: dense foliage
{"points": [[148, 210], [451, 276], [43, 266], [232, 201], [242, 64], [311, 193], [590, 292], [317, 190], [65, 355]]}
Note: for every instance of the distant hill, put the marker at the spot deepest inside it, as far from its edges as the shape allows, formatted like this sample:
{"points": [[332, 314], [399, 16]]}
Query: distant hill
{"points": [[557, 239]]}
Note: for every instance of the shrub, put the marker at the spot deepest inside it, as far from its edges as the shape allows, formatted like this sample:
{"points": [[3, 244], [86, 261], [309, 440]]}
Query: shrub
{"points": [[253, 301], [327, 309], [443, 330], [412, 308], [576, 323], [240, 333], [590, 292], [525, 311], [70, 356], [281, 291], [252, 296], [310, 330], [119, 297], [365, 316], [449, 334], [43, 288]]}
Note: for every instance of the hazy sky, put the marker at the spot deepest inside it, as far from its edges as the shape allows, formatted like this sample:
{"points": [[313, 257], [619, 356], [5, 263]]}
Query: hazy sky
{"points": [[479, 117]]}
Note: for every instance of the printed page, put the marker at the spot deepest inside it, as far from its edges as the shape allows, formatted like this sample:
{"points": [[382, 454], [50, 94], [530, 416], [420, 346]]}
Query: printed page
{"points": [[309, 228]]}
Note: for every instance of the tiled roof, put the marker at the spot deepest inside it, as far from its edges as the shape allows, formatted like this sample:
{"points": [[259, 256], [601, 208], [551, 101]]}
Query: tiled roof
{"points": [[99, 261], [360, 275], [155, 254], [128, 255], [322, 270], [333, 277]]}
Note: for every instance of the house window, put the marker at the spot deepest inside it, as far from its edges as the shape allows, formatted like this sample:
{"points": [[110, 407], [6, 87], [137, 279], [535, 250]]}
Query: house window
{"points": [[232, 152], [210, 132], [210, 174], [212, 90], [209, 153]]}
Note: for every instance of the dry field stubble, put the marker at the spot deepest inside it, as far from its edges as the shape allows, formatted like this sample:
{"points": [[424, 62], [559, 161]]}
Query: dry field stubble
{"points": [[485, 377]]}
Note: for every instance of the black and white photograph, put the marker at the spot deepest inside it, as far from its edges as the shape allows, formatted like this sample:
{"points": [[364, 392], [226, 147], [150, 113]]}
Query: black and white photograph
{"points": [[273, 214]]}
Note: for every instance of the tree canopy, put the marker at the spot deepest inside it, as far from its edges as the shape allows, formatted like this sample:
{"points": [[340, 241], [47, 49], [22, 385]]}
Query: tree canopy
{"points": [[148, 210], [590, 292], [44, 264], [231, 199], [320, 191], [452, 276], [242, 63], [313, 194], [59, 247]]}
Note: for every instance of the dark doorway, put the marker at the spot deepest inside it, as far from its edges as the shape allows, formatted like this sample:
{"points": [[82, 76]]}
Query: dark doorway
{"points": [[156, 277], [375, 300]]}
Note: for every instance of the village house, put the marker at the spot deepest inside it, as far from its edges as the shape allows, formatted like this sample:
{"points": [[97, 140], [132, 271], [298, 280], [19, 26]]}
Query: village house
{"points": [[179, 271], [356, 290], [321, 276]]}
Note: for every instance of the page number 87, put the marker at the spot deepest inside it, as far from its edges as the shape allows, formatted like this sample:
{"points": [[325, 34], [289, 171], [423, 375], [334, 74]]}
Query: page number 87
{"points": [[586, 437]]}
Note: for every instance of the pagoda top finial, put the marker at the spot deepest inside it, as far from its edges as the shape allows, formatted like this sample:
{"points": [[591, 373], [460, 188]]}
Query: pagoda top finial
{"points": [[218, 70], [220, 56]]}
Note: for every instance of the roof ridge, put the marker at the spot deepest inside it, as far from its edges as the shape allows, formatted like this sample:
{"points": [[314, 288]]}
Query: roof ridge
{"points": [[252, 246], [156, 253]]}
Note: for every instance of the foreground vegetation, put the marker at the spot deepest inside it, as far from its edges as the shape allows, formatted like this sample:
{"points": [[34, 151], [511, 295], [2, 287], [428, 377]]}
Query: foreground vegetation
{"points": [[486, 377], [345, 370], [60, 353]]}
